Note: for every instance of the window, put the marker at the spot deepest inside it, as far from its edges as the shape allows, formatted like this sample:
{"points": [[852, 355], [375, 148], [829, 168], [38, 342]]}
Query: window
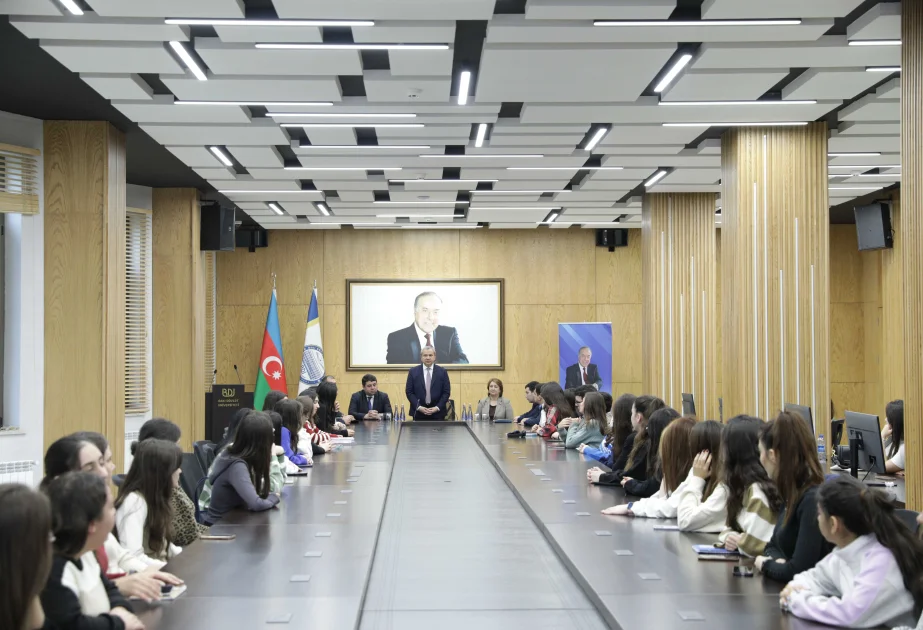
{"points": [[211, 317], [18, 179], [138, 306]]}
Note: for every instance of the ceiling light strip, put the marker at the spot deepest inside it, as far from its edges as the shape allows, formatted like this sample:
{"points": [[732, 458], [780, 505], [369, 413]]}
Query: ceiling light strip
{"points": [[258, 103], [276, 46], [518, 192], [482, 134], [565, 168], [855, 154], [333, 114], [698, 23], [246, 22], [393, 147], [464, 85], [656, 177], [464, 156], [72, 6], [883, 69], [187, 59], [737, 124], [276, 208], [596, 139], [354, 125], [224, 159], [419, 203], [322, 208], [441, 181], [875, 42], [343, 168], [843, 166], [735, 103], [270, 192], [674, 71]]}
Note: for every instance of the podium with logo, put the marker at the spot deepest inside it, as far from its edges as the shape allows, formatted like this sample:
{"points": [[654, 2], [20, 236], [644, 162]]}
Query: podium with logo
{"points": [[220, 406]]}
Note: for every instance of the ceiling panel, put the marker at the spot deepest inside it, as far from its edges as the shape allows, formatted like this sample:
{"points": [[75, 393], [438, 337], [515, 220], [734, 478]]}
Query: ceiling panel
{"points": [[119, 87], [891, 89], [729, 85], [830, 51], [870, 108], [681, 188], [849, 144], [270, 34], [599, 9], [186, 135], [29, 7], [249, 88], [507, 216], [215, 174], [195, 156], [868, 129], [882, 21], [331, 135], [234, 59], [160, 113], [649, 134], [730, 9], [840, 83], [92, 28], [259, 158], [646, 112], [401, 10], [113, 57], [383, 87], [395, 31], [416, 63], [169, 8], [706, 176]]}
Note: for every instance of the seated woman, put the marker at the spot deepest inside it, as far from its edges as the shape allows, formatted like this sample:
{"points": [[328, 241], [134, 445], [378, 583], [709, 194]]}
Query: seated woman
{"points": [[617, 433], [240, 475], [78, 595], [575, 397], [588, 429], [701, 501], [327, 411], [556, 409], [753, 501], [788, 454], [239, 415], [641, 411], [874, 576], [25, 555], [649, 484], [494, 406], [892, 437], [291, 412], [317, 440], [674, 460]]}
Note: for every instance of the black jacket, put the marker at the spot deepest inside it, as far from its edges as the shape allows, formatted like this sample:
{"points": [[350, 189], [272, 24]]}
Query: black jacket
{"points": [[573, 378], [62, 606], [404, 346], [359, 404], [638, 470]]}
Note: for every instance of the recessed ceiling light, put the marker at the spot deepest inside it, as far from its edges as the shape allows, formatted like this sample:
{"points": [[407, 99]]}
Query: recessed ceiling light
{"points": [[697, 23], [675, 70], [412, 214], [517, 192], [656, 177], [353, 125], [737, 124], [275, 208], [565, 168], [875, 42], [274, 46], [421, 203], [552, 217], [322, 208], [855, 154], [188, 60], [883, 69], [597, 137], [257, 103], [848, 166], [441, 181], [218, 153], [268, 192], [891, 175], [468, 156], [245, 22], [735, 103], [464, 84], [393, 147], [854, 187], [413, 226], [72, 6], [482, 133], [343, 168], [334, 114]]}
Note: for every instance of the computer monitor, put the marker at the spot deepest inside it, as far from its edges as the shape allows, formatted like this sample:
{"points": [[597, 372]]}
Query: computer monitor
{"points": [[803, 411], [866, 449], [688, 405]]}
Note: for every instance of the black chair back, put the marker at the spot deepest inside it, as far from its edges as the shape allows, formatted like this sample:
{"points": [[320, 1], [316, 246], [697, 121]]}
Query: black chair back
{"points": [[205, 452], [190, 474], [908, 517]]}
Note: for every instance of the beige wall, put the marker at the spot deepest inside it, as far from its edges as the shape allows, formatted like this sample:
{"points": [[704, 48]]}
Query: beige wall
{"points": [[550, 276]]}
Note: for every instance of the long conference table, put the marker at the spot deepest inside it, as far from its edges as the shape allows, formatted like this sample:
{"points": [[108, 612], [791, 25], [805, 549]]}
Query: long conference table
{"points": [[450, 525]]}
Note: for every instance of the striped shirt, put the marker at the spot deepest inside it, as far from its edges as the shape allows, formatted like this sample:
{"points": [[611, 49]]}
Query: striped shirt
{"points": [[757, 522]]}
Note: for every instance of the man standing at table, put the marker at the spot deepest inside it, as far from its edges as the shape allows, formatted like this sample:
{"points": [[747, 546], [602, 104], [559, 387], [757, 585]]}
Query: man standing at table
{"points": [[428, 387], [583, 372]]}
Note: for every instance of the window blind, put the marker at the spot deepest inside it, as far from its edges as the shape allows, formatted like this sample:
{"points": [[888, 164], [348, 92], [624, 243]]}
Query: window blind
{"points": [[138, 305], [211, 318], [19, 179]]}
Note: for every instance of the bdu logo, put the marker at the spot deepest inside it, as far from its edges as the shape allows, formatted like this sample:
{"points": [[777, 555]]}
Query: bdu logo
{"points": [[228, 393]]}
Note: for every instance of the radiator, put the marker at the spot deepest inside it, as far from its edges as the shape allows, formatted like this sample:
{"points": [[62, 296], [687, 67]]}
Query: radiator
{"points": [[17, 472]]}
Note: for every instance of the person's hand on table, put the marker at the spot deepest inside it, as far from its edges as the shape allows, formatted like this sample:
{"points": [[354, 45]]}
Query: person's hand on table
{"points": [[593, 475], [701, 465], [142, 585], [372, 415], [326, 446], [348, 419], [555, 436], [131, 622], [787, 592], [566, 422], [339, 426], [350, 432], [277, 450], [759, 562], [625, 481], [617, 510], [900, 473], [581, 447], [732, 541], [163, 576]]}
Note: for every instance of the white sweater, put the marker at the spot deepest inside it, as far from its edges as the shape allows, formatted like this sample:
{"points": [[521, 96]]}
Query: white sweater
{"points": [[129, 521], [120, 561], [695, 515], [857, 586]]}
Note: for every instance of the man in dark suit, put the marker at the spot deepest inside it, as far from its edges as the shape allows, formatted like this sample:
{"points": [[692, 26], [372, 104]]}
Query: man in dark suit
{"points": [[369, 404], [582, 372], [428, 387], [404, 345]]}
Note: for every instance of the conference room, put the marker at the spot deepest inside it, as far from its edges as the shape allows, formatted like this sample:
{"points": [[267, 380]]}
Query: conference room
{"points": [[516, 313]]}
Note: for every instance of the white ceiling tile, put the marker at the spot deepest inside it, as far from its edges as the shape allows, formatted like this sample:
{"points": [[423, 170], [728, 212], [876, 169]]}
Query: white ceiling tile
{"points": [[29, 7], [741, 9], [870, 108], [723, 85], [421, 63], [626, 174], [254, 88], [324, 183], [645, 112], [599, 9], [161, 113], [567, 74], [215, 174], [882, 21], [331, 135], [169, 8], [623, 185], [457, 133], [266, 158], [850, 144], [397, 32], [681, 188], [272, 195], [233, 59], [507, 216], [649, 134], [305, 208], [112, 57], [505, 127], [367, 196], [867, 129], [891, 89], [195, 156], [270, 34], [830, 51], [839, 83], [400, 10], [119, 87], [610, 196], [93, 28], [261, 185], [185, 135], [655, 161], [693, 176], [430, 195], [530, 140], [382, 87]]}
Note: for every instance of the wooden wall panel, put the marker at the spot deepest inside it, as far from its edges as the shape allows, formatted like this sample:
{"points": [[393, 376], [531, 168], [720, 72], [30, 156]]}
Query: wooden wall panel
{"points": [[550, 276], [775, 259], [679, 338], [912, 234], [847, 322], [84, 281], [892, 310], [179, 311]]}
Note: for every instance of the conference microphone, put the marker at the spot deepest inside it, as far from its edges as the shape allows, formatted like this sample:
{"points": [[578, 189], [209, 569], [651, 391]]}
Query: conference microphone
{"points": [[239, 380]]}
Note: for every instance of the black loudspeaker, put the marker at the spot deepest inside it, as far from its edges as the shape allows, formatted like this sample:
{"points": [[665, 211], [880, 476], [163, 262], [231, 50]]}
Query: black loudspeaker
{"points": [[612, 238], [217, 229], [252, 238]]}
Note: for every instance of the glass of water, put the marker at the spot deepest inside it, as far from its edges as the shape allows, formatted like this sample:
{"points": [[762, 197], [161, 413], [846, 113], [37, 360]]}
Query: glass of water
{"points": [[477, 417], [387, 417]]}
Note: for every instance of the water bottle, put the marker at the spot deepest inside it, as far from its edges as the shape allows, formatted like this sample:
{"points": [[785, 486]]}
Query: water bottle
{"points": [[822, 452], [466, 417], [402, 418]]}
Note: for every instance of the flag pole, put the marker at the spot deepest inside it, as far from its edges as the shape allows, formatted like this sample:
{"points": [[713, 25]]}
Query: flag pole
{"points": [[273, 282]]}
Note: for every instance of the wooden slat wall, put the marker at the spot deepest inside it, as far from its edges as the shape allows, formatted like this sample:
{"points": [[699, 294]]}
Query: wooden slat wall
{"points": [[551, 276], [892, 312], [179, 312], [773, 179], [912, 234], [85, 281], [679, 340]]}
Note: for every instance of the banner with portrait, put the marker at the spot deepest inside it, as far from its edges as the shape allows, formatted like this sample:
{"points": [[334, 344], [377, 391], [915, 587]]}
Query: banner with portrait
{"points": [[585, 355], [390, 321]]}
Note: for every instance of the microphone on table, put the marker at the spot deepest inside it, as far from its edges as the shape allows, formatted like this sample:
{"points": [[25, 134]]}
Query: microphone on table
{"points": [[240, 380]]}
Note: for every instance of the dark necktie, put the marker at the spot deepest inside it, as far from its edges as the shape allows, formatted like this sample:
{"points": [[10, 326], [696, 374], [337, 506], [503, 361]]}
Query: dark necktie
{"points": [[585, 379], [370, 403], [429, 340]]}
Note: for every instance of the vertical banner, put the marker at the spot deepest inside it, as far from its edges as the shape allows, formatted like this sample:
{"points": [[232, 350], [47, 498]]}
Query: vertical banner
{"points": [[585, 355]]}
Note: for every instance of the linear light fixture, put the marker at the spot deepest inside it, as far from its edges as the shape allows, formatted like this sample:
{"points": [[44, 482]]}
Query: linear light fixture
{"points": [[420, 203], [565, 168], [551, 218], [481, 155], [365, 146], [892, 175], [883, 69], [275, 46], [875, 42], [792, 22], [517, 208], [675, 70], [258, 103], [333, 114], [598, 223], [736, 124], [353, 125], [343, 168], [245, 22], [855, 154], [482, 134], [441, 181], [432, 217], [322, 208], [656, 177], [517, 192], [218, 153], [275, 208], [464, 85], [72, 6], [596, 139], [735, 103], [183, 54], [844, 166], [854, 187], [412, 226], [269, 192]]}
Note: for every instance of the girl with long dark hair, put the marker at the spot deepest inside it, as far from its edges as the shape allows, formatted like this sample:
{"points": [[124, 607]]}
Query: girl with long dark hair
{"points": [[290, 410], [588, 429], [556, 409], [893, 437], [648, 484], [326, 418], [632, 461], [788, 454], [874, 576], [701, 503], [320, 440], [617, 434], [25, 556], [144, 509]]}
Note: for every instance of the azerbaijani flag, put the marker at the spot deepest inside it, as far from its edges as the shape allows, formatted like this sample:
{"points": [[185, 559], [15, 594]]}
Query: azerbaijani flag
{"points": [[272, 370], [312, 361]]}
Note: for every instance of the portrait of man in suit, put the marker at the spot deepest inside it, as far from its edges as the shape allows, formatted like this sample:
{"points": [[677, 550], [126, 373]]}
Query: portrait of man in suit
{"points": [[428, 387], [583, 372], [404, 345], [369, 403]]}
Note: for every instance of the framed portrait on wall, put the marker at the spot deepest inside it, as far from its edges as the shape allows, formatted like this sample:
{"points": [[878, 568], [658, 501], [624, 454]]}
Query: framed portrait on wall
{"points": [[388, 322]]}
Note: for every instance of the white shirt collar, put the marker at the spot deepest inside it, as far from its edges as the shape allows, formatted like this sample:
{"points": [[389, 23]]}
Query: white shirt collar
{"points": [[422, 337]]}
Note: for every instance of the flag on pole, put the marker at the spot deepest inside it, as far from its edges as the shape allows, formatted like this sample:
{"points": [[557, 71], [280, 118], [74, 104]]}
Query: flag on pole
{"points": [[272, 369], [312, 361]]}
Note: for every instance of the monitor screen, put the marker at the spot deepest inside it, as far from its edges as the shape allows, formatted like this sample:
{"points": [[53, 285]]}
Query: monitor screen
{"points": [[864, 429], [688, 405], [873, 226], [803, 411]]}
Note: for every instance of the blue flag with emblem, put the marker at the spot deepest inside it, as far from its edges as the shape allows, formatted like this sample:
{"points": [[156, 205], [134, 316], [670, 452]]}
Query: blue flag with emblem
{"points": [[312, 361]]}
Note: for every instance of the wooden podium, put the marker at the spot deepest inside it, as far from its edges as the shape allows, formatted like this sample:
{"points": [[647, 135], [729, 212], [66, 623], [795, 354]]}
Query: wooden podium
{"points": [[220, 406]]}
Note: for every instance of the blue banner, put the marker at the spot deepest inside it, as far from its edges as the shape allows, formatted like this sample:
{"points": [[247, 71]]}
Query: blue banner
{"points": [[585, 355]]}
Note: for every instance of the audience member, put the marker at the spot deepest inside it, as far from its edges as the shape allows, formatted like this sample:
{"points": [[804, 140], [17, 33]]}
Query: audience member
{"points": [[788, 454], [326, 410], [319, 440], [701, 503], [753, 501], [588, 429], [532, 416], [494, 406], [641, 410], [272, 399], [575, 397], [291, 411], [340, 418], [369, 403], [893, 437], [556, 409], [652, 472], [25, 556], [239, 415], [617, 433], [874, 576], [279, 464], [78, 595]]}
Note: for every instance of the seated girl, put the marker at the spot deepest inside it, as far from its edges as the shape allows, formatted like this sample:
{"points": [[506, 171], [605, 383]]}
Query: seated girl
{"points": [[78, 595], [892, 437], [701, 502], [650, 483], [240, 475], [788, 454], [753, 501], [675, 459], [144, 512], [291, 412], [556, 409], [25, 555], [641, 410], [617, 433], [587, 431], [319, 440], [873, 577]]}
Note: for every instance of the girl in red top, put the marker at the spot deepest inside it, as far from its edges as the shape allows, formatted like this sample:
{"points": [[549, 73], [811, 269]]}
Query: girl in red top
{"points": [[556, 409]]}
